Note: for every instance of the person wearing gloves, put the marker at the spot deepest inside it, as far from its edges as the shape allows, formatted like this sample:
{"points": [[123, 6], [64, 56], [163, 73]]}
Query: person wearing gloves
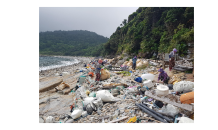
{"points": [[172, 59], [134, 62], [97, 70], [163, 76]]}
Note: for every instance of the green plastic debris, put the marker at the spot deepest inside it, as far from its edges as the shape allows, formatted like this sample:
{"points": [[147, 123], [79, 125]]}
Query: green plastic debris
{"points": [[92, 94]]}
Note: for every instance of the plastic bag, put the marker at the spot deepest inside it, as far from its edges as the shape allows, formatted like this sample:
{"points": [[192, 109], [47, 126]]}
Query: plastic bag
{"points": [[98, 103], [76, 113], [170, 110], [82, 91], [115, 92], [49, 119], [138, 79], [92, 94], [132, 120], [186, 120], [88, 100], [84, 114], [89, 109], [105, 95]]}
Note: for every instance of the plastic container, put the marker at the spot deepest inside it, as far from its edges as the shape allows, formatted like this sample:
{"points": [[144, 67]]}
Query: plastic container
{"points": [[76, 113], [148, 77], [162, 90], [82, 79], [187, 98], [148, 83]]}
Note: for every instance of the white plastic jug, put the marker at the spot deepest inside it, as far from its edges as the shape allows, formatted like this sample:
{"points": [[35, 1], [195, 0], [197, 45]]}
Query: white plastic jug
{"points": [[76, 113], [162, 90], [148, 77]]}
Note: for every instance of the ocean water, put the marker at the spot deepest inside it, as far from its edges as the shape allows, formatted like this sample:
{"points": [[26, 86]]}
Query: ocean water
{"points": [[50, 62]]}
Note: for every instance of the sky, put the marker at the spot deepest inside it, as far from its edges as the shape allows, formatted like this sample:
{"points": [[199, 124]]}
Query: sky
{"points": [[101, 20]]}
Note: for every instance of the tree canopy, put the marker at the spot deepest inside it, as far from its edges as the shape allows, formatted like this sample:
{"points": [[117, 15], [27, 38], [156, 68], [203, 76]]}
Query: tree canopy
{"points": [[77, 43]]}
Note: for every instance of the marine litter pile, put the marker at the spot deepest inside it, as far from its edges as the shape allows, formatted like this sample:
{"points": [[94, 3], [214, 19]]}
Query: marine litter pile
{"points": [[123, 95]]}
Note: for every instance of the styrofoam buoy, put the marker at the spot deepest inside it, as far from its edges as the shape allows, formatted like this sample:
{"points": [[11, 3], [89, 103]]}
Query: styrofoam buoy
{"points": [[162, 90]]}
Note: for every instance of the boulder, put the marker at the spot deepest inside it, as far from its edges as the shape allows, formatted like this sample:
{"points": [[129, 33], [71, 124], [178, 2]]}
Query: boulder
{"points": [[58, 106], [49, 83]]}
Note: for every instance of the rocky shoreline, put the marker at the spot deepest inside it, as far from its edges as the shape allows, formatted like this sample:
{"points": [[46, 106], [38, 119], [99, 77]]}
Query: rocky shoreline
{"points": [[69, 68], [57, 93]]}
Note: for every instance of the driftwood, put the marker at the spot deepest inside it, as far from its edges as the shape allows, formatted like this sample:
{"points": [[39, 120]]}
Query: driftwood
{"points": [[122, 118]]}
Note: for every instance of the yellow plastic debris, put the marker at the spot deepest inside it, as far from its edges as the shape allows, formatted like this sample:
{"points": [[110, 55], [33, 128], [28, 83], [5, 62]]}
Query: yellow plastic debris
{"points": [[132, 120], [175, 82], [87, 92]]}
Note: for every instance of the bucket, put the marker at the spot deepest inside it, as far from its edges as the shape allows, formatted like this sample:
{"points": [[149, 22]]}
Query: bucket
{"points": [[187, 98], [147, 76], [162, 90]]}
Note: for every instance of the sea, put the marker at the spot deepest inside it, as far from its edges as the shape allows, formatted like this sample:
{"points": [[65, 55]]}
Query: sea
{"points": [[50, 62]]}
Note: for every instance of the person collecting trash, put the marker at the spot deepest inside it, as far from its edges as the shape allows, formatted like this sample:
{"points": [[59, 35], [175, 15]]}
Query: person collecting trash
{"points": [[163, 76], [134, 62], [97, 70], [172, 59]]}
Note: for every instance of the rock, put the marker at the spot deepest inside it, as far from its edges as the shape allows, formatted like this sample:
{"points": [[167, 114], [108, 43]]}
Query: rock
{"points": [[49, 83], [69, 121], [41, 120]]}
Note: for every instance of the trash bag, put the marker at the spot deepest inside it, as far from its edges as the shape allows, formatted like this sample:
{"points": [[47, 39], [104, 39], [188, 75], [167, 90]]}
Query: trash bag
{"points": [[105, 95], [183, 86], [139, 79], [76, 113], [105, 74], [159, 103], [89, 109], [98, 103], [148, 83], [170, 86]]}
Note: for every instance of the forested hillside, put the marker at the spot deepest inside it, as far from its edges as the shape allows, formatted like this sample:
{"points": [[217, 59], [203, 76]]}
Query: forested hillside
{"points": [[77, 43], [153, 29]]}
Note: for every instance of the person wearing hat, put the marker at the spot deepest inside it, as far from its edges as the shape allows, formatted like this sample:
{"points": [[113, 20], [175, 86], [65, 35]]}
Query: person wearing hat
{"points": [[163, 76], [97, 70], [134, 62], [172, 59]]}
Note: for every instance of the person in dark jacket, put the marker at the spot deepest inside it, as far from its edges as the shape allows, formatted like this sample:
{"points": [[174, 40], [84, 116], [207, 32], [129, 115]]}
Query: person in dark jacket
{"points": [[134, 62], [97, 70], [172, 59], [163, 76]]}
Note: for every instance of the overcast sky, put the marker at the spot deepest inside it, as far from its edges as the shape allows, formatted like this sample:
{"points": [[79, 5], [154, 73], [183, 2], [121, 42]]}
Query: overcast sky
{"points": [[102, 20]]}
